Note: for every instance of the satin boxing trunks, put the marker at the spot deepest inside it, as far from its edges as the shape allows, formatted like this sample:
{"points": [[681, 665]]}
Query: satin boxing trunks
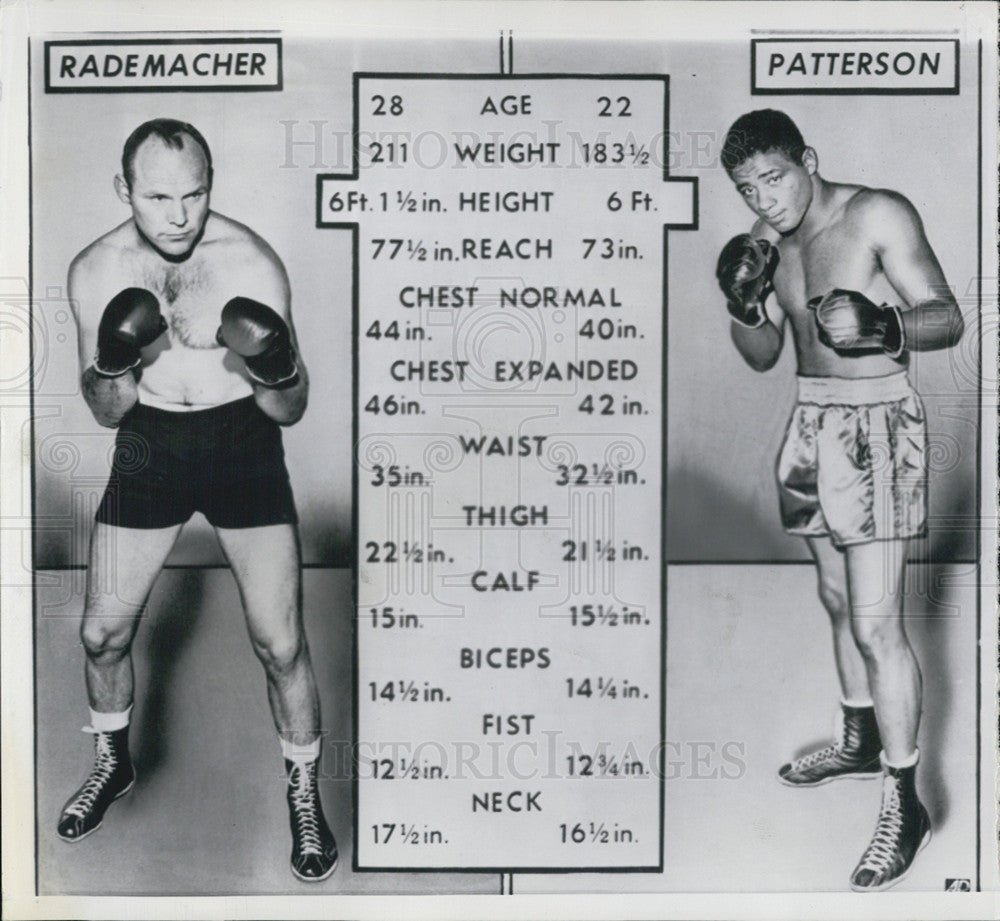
{"points": [[226, 462], [853, 465]]}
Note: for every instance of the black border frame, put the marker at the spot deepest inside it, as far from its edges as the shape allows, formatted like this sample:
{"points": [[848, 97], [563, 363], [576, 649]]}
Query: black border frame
{"points": [[166, 88], [860, 90], [354, 227]]}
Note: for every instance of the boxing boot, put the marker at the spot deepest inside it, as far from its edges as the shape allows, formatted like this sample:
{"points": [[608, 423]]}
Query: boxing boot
{"points": [[903, 828], [855, 754], [112, 776], [314, 850]]}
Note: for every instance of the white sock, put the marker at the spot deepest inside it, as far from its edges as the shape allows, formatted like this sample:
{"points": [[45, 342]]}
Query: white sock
{"points": [[300, 754], [857, 702], [907, 762], [109, 722]]}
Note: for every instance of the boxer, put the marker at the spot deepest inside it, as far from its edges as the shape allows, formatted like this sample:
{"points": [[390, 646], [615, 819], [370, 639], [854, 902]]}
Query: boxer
{"points": [[187, 347], [856, 281]]}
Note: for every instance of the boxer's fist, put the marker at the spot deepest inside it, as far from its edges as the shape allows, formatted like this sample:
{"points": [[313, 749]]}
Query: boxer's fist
{"points": [[131, 321], [744, 270], [261, 338], [849, 321]]}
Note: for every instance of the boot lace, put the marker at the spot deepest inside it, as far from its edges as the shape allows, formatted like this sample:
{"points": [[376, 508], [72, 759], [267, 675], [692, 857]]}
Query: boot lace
{"points": [[305, 813], [816, 758], [104, 766], [884, 848]]}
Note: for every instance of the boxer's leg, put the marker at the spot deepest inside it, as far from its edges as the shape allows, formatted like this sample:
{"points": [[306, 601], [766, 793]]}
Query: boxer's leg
{"points": [[855, 753], [875, 573], [124, 563], [875, 577], [265, 562], [831, 571]]}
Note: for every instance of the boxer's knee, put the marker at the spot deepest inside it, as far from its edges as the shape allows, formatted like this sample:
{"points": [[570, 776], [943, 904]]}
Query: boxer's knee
{"points": [[833, 595], [877, 638], [281, 650], [106, 639]]}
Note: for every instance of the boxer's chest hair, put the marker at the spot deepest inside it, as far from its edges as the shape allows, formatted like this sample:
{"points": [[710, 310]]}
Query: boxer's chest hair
{"points": [[187, 294]]}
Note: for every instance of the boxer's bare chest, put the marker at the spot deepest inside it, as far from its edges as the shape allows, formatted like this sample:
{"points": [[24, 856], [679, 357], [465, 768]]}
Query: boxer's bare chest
{"points": [[839, 255], [191, 298]]}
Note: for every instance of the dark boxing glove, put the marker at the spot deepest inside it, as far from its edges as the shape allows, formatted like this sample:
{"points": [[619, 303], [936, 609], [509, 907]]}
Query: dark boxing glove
{"points": [[262, 339], [131, 321], [849, 321], [744, 271]]}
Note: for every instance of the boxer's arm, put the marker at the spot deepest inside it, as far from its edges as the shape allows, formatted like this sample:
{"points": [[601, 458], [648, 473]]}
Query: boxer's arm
{"points": [[109, 398], [931, 318], [285, 405], [761, 347]]}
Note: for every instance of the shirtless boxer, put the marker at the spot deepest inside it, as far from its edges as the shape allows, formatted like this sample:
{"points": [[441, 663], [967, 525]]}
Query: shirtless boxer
{"points": [[188, 348], [857, 281]]}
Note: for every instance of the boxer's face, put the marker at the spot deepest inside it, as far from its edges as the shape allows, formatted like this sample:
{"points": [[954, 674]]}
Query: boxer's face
{"points": [[775, 188], [169, 195]]}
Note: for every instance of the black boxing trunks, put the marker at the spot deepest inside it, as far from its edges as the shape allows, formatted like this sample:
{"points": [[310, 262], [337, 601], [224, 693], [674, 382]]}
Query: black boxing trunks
{"points": [[853, 465], [226, 462]]}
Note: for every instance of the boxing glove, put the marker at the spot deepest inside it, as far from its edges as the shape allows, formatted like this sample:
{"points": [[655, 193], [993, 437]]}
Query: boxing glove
{"points": [[744, 272], [261, 338], [849, 321], [131, 321]]}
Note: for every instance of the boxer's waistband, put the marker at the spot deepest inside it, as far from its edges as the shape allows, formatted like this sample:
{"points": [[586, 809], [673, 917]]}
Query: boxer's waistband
{"points": [[850, 391], [208, 416]]}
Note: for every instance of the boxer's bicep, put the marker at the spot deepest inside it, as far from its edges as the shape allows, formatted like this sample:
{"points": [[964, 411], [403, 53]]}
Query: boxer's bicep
{"points": [[81, 288], [277, 293], [906, 257]]}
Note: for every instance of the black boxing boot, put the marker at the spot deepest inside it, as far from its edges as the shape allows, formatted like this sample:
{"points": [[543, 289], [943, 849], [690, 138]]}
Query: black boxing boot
{"points": [[902, 830], [855, 755], [314, 850], [112, 776]]}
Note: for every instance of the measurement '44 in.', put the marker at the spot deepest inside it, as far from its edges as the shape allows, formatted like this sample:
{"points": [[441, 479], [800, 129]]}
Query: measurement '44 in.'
{"points": [[579, 551], [408, 332], [610, 688], [595, 833], [402, 833], [407, 691]]}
